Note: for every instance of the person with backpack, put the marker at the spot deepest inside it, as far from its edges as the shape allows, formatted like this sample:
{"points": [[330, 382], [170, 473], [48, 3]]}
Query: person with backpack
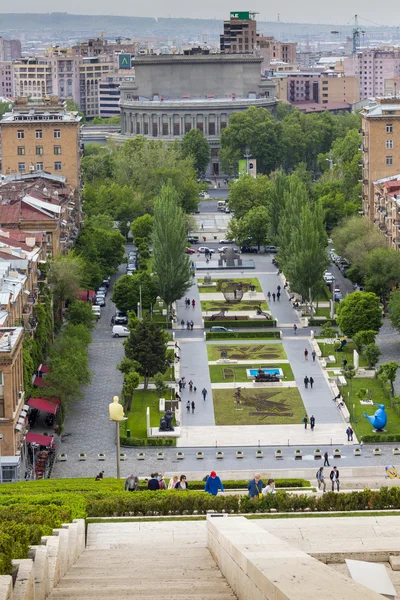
{"points": [[348, 433], [312, 422], [255, 487], [295, 329], [321, 479], [311, 382], [334, 475], [204, 392], [305, 421], [153, 483], [161, 482]]}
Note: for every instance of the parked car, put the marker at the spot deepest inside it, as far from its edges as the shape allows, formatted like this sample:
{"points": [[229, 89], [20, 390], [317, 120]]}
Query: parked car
{"points": [[249, 249], [193, 240], [190, 251], [106, 282], [220, 329], [223, 248], [102, 290], [204, 195], [96, 311], [131, 268], [338, 296], [202, 250], [328, 277], [270, 250], [120, 331], [101, 300], [120, 318], [226, 241]]}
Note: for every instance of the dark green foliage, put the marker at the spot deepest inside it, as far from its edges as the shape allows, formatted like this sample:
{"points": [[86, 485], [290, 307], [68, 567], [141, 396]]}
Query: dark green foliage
{"points": [[80, 313], [359, 311], [147, 345], [249, 335], [228, 324]]}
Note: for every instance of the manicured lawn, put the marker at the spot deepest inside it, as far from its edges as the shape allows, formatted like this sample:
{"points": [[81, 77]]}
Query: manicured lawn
{"points": [[248, 305], [137, 416], [329, 350], [267, 406], [168, 376], [237, 373], [360, 424], [213, 289], [247, 351], [324, 311]]}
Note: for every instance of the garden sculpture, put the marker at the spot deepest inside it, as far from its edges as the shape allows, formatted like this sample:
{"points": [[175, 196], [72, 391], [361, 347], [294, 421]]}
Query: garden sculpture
{"points": [[228, 256], [343, 342], [166, 422], [379, 419], [116, 410]]}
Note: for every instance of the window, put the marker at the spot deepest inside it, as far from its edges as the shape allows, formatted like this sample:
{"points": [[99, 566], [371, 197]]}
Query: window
{"points": [[324, 95], [165, 128], [57, 166], [39, 134], [21, 166], [211, 129], [145, 128], [389, 144], [57, 133], [176, 129], [137, 127], [389, 128], [57, 149], [155, 130], [187, 127], [39, 150], [21, 150], [39, 166], [20, 134], [389, 160]]}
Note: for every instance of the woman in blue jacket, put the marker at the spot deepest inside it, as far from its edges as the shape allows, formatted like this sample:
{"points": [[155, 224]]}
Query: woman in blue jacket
{"points": [[255, 486], [213, 484]]}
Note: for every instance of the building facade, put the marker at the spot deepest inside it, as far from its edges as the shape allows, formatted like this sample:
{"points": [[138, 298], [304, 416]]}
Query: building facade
{"points": [[387, 208], [240, 34], [373, 68], [32, 78], [271, 50], [9, 49], [6, 79], [380, 147], [91, 71], [41, 137], [110, 94]]}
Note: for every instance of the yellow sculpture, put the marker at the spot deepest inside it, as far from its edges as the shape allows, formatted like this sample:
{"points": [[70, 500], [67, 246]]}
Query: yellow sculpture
{"points": [[116, 410]]}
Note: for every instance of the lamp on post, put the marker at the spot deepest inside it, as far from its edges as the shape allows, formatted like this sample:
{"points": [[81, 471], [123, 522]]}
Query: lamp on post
{"points": [[117, 415]]}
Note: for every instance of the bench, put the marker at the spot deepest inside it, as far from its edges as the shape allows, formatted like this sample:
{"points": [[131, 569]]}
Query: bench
{"points": [[342, 380], [331, 359]]}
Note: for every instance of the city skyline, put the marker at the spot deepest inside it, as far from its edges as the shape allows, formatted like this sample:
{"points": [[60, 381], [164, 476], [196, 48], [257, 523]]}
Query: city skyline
{"points": [[312, 12]]}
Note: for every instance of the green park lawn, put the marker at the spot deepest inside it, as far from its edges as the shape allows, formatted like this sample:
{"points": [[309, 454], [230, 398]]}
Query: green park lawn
{"points": [[236, 373], [247, 351], [213, 289], [266, 406], [360, 424], [329, 350], [136, 422], [248, 305]]}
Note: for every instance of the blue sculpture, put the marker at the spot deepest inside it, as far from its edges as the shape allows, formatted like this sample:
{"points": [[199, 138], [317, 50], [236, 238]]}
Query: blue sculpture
{"points": [[379, 419]]}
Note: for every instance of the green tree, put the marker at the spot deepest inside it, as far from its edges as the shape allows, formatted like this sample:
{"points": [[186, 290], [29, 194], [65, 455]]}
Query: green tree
{"points": [[359, 311], [248, 192], [364, 338], [256, 223], [382, 271], [355, 238], [147, 345], [277, 196], [160, 385], [142, 227], [4, 107], [80, 313], [372, 353], [126, 365], [194, 144], [66, 276], [131, 382], [388, 371], [100, 222], [170, 263], [295, 198], [126, 291], [100, 249], [394, 304]]}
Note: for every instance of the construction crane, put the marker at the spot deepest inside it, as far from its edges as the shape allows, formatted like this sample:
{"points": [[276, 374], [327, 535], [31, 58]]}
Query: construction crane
{"points": [[357, 31]]}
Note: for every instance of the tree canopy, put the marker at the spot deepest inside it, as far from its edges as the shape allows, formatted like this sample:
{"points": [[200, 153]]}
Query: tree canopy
{"points": [[194, 144], [359, 311], [147, 345], [126, 291]]}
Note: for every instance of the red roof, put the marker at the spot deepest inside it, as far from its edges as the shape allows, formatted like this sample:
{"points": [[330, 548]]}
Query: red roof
{"points": [[86, 295], [43, 369], [38, 438], [44, 405], [40, 382]]}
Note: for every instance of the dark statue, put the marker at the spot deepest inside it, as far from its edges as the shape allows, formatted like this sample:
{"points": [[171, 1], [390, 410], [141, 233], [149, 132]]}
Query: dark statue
{"points": [[166, 422], [265, 377]]}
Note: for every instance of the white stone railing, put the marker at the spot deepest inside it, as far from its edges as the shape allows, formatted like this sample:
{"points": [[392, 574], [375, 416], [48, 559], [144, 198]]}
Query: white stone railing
{"points": [[36, 576]]}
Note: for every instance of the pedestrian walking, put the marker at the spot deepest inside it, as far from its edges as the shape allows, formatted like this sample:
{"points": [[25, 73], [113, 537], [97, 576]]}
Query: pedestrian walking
{"points": [[193, 302], [349, 432], [194, 388], [188, 406], [193, 406], [183, 324], [326, 460], [177, 396], [131, 483], [306, 381], [278, 288], [278, 296], [213, 484], [186, 301], [204, 392], [305, 354], [112, 320], [311, 382], [177, 346], [191, 325], [312, 422], [202, 226], [269, 296], [305, 421], [269, 488], [273, 296], [295, 329], [188, 325], [184, 382], [177, 358], [190, 386], [314, 355], [321, 479], [180, 385], [335, 479]]}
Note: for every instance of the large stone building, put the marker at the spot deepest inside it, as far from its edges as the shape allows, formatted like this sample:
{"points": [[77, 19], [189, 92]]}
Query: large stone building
{"points": [[240, 33], [373, 67], [41, 137], [272, 50], [387, 208], [172, 94], [9, 49], [32, 78], [380, 146]]}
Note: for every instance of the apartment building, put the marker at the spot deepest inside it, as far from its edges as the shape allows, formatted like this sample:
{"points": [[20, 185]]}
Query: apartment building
{"points": [[65, 75], [41, 137], [271, 50], [9, 49], [387, 208], [335, 88], [323, 88], [380, 145], [91, 71], [32, 78], [240, 34], [6, 80], [373, 68]]}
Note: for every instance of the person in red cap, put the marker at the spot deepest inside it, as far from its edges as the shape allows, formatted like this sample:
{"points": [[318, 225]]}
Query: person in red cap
{"points": [[213, 484]]}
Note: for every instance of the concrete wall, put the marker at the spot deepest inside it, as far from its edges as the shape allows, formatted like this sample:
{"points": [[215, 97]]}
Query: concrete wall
{"points": [[35, 577], [260, 566]]}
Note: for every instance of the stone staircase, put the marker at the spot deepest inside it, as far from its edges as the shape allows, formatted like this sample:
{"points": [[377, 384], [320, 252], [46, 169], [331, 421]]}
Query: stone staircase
{"points": [[145, 561]]}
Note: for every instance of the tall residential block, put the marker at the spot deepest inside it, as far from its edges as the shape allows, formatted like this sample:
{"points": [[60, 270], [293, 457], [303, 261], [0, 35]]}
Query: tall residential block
{"points": [[271, 50], [9, 49], [373, 68], [380, 145], [33, 78], [41, 137], [6, 79], [240, 34]]}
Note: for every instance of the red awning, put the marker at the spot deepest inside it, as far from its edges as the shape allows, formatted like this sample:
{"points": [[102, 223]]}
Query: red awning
{"points": [[86, 295], [38, 438], [44, 405], [40, 382], [43, 369]]}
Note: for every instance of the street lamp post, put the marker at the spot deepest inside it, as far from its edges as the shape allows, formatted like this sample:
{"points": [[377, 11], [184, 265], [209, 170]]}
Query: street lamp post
{"points": [[117, 415]]}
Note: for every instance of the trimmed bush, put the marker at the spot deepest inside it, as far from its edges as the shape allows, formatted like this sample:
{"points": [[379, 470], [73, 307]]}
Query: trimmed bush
{"points": [[146, 441], [247, 323], [244, 335], [374, 438]]}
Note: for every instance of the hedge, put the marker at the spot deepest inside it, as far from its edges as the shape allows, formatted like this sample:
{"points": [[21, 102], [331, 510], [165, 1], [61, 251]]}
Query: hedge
{"points": [[125, 441], [322, 321], [249, 323], [245, 335], [374, 438]]}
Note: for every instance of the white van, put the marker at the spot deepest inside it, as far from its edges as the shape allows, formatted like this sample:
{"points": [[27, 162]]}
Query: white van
{"points": [[96, 311], [221, 205], [120, 331]]}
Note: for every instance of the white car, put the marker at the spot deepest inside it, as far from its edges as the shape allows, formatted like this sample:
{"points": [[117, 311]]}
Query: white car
{"points": [[328, 277], [203, 249], [120, 331], [223, 248], [226, 241], [204, 195]]}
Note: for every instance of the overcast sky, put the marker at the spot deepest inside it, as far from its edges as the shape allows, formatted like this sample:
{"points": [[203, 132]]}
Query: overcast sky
{"points": [[311, 11]]}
